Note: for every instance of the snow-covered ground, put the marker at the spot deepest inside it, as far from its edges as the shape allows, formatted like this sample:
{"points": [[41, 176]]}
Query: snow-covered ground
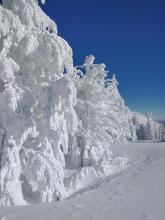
{"points": [[135, 193]]}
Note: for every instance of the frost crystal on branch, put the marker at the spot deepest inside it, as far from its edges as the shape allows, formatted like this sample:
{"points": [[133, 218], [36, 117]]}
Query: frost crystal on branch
{"points": [[43, 1]]}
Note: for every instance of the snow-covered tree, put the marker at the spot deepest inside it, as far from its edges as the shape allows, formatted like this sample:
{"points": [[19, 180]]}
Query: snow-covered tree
{"points": [[37, 100], [150, 128], [103, 116], [147, 128]]}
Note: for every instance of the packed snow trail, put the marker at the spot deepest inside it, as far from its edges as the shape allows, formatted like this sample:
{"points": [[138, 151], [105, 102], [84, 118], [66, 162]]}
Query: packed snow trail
{"points": [[138, 193]]}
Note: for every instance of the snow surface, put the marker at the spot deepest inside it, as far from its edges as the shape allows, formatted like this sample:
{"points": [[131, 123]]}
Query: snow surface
{"points": [[137, 192], [58, 122]]}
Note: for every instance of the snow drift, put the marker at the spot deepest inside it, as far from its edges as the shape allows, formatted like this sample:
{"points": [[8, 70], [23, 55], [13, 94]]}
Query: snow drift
{"points": [[54, 118]]}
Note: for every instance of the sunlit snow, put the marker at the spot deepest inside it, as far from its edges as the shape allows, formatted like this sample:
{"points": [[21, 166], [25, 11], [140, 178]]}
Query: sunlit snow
{"points": [[58, 123]]}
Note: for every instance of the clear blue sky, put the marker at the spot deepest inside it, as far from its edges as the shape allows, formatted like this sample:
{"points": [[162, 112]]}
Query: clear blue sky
{"points": [[127, 35]]}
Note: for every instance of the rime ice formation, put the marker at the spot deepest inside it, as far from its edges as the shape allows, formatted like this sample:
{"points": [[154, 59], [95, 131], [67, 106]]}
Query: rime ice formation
{"points": [[103, 117], [147, 128], [36, 105], [55, 128]]}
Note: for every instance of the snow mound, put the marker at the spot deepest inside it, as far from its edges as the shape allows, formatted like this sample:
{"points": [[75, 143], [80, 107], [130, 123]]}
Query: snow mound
{"points": [[91, 175]]}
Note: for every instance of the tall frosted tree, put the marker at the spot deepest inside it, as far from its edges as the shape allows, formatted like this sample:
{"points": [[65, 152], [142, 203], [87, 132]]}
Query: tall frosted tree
{"points": [[150, 128]]}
